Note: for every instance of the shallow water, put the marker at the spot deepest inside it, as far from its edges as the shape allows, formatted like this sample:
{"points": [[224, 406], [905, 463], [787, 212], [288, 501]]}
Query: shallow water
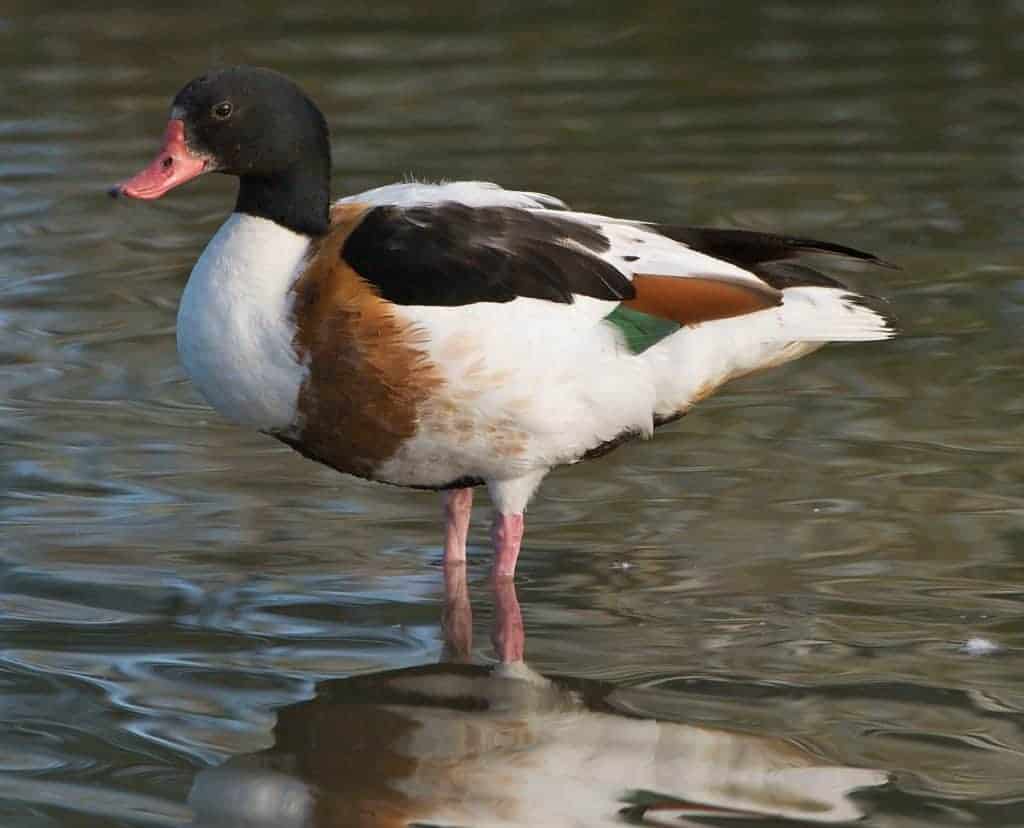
{"points": [[801, 562]]}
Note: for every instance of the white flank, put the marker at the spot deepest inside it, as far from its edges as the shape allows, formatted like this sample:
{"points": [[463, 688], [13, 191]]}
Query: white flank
{"points": [[549, 378], [234, 323]]}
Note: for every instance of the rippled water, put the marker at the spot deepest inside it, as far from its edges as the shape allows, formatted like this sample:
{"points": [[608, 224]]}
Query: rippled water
{"points": [[800, 564]]}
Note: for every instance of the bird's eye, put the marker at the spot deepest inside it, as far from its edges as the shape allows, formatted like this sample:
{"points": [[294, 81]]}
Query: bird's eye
{"points": [[223, 110]]}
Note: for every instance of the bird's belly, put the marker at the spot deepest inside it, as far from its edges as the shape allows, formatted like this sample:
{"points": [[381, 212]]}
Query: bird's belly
{"points": [[460, 442], [427, 444]]}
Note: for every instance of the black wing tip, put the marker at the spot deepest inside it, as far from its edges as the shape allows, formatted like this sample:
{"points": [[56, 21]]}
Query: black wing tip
{"points": [[878, 261], [747, 248], [834, 249], [860, 256]]}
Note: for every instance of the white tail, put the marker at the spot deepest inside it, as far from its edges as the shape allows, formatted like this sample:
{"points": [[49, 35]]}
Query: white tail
{"points": [[694, 362]]}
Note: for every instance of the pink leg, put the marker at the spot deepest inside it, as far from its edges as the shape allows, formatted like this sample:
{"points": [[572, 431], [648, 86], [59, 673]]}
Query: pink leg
{"points": [[507, 636], [457, 619], [507, 535], [458, 504]]}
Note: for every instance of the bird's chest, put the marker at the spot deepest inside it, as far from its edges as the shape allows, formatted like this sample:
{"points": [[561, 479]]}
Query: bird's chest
{"points": [[368, 379], [236, 328]]}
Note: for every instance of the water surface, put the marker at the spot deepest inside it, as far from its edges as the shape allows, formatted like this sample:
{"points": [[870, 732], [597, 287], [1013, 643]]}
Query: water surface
{"points": [[800, 562]]}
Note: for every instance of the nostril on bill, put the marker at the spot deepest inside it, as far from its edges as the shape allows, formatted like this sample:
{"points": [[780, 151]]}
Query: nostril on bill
{"points": [[167, 162]]}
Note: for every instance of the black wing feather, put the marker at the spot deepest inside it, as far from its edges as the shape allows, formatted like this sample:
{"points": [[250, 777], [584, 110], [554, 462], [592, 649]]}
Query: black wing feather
{"points": [[452, 254], [766, 254], [747, 248]]}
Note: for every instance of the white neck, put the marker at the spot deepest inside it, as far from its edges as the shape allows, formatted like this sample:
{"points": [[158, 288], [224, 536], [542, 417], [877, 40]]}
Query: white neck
{"points": [[235, 325]]}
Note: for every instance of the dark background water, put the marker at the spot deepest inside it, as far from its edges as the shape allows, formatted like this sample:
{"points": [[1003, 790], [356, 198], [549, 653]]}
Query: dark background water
{"points": [[806, 555]]}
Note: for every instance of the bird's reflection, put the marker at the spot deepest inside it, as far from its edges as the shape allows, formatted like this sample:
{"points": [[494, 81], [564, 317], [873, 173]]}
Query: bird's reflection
{"points": [[465, 746]]}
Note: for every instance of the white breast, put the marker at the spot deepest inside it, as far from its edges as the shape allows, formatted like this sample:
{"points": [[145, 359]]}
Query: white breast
{"points": [[235, 326]]}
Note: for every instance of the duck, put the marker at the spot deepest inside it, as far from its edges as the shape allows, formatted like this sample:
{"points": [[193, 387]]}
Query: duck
{"points": [[458, 335]]}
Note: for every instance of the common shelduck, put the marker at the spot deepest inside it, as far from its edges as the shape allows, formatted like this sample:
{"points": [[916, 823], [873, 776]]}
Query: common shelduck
{"points": [[447, 336]]}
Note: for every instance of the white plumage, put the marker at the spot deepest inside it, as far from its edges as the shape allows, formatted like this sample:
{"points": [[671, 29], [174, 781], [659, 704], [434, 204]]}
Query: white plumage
{"points": [[235, 325]]}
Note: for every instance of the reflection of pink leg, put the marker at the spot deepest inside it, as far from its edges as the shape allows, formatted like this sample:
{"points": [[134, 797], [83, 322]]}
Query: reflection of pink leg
{"points": [[458, 504], [457, 619], [508, 636]]}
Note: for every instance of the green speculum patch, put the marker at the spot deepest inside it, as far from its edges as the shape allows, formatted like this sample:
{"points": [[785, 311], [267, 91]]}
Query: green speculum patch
{"points": [[641, 330]]}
